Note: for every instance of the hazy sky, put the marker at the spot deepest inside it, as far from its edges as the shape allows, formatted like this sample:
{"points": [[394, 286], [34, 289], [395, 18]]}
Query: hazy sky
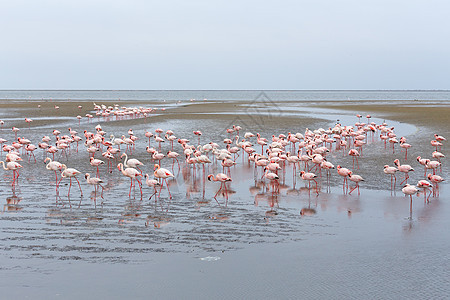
{"points": [[192, 44]]}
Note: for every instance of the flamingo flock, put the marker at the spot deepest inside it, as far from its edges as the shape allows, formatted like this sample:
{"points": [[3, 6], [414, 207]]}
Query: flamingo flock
{"points": [[308, 153]]}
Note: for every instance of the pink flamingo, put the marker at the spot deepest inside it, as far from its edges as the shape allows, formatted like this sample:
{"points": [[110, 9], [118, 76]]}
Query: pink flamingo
{"points": [[152, 183], [223, 179], [344, 173], [424, 184], [432, 164], [436, 179], [163, 174], [309, 177], [96, 163], [391, 171], [96, 182], [439, 138], [70, 172], [149, 135], [410, 190], [30, 148], [132, 162], [436, 144], [12, 166], [198, 133], [53, 166], [273, 179], [132, 174], [403, 168], [423, 162], [354, 154], [405, 146], [28, 121], [174, 155], [356, 179]]}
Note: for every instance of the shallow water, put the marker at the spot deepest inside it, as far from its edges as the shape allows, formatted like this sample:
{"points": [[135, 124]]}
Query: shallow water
{"points": [[367, 246]]}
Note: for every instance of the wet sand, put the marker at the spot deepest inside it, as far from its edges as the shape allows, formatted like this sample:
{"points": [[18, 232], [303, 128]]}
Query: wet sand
{"points": [[256, 245]]}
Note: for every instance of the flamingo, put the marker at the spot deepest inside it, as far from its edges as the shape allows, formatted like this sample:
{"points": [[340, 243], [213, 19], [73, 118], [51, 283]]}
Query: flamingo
{"points": [[152, 183], [436, 144], [403, 168], [96, 182], [12, 166], [223, 179], [53, 166], [174, 155], [405, 146], [423, 162], [436, 179], [437, 155], [309, 176], [424, 184], [354, 153], [439, 138], [356, 179], [70, 172], [132, 162], [96, 163], [409, 190], [432, 164], [132, 174], [391, 171], [163, 174], [344, 173]]}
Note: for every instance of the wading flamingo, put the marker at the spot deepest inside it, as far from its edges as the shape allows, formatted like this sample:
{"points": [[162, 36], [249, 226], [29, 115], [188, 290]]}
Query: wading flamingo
{"points": [[223, 180], [403, 168], [132, 174], [132, 162], [391, 171], [163, 174], [12, 166], [152, 183], [356, 179], [96, 182], [70, 172]]}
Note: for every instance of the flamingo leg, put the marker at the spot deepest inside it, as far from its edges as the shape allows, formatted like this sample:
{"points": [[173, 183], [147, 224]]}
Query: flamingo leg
{"points": [[221, 184], [129, 194], [79, 185], [70, 178], [170, 195]]}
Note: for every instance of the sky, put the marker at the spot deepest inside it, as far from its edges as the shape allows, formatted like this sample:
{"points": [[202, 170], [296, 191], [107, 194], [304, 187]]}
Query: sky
{"points": [[215, 44]]}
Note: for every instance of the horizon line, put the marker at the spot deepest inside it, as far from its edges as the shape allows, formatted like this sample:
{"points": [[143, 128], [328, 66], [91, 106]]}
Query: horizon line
{"points": [[221, 90]]}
